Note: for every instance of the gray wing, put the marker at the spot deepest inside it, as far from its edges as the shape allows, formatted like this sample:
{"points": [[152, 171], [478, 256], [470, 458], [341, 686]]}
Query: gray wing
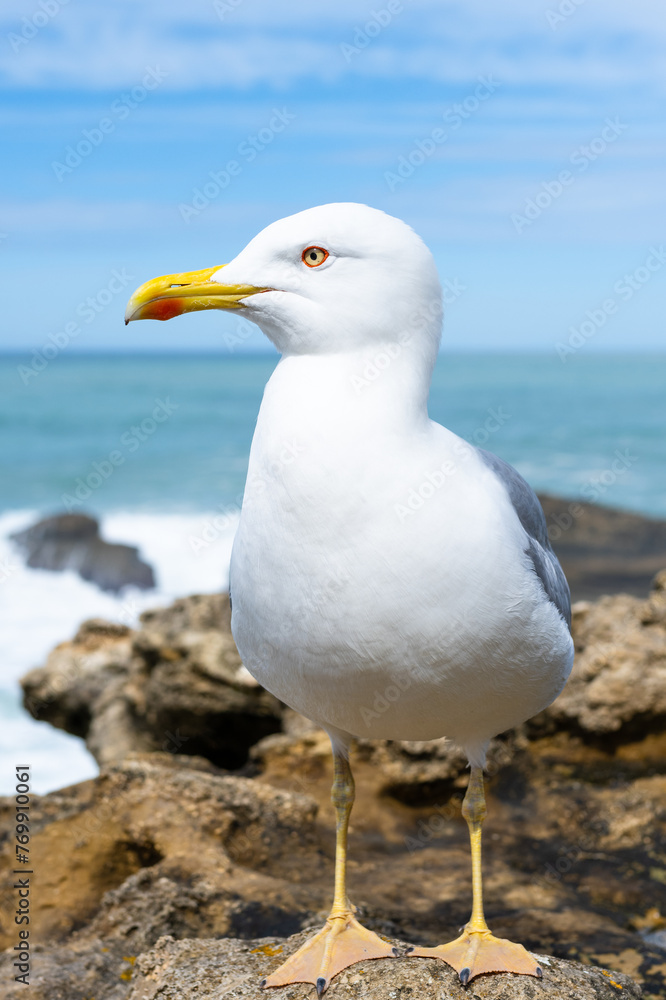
{"points": [[530, 514]]}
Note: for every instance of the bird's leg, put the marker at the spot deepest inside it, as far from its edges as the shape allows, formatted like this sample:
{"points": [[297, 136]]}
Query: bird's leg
{"points": [[477, 950], [343, 940]]}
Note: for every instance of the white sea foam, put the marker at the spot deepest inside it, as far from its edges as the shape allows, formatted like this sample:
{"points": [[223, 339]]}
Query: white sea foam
{"points": [[189, 553]]}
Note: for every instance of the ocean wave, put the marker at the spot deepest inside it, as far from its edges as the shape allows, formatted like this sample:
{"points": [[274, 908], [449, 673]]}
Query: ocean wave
{"points": [[190, 554]]}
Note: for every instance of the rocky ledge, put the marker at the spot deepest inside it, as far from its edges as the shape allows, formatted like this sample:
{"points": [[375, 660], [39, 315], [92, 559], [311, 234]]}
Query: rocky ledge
{"points": [[204, 850], [176, 684], [164, 878]]}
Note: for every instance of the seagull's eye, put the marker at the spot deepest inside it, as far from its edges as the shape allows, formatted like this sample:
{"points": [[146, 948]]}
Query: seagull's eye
{"points": [[314, 256]]}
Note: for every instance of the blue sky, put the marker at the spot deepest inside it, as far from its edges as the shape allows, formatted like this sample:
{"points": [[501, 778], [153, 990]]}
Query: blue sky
{"points": [[524, 140]]}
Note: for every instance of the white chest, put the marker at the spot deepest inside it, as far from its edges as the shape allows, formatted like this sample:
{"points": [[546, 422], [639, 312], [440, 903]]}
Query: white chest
{"points": [[378, 554]]}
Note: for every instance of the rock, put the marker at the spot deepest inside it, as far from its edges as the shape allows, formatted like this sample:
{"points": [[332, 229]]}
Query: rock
{"points": [[175, 684], [617, 690], [154, 847], [571, 839], [232, 968], [604, 550], [92, 972], [71, 541], [178, 970], [66, 691], [416, 771], [144, 868], [409, 772], [160, 845]]}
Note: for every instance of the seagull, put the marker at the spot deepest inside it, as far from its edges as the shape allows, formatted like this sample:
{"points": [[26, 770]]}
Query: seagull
{"points": [[390, 580]]}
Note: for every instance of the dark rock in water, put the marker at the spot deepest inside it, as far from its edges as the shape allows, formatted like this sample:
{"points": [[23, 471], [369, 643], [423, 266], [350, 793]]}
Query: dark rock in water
{"points": [[604, 550], [71, 541]]}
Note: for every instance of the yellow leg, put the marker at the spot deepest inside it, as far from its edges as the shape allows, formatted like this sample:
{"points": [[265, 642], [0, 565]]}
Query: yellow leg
{"points": [[343, 940], [477, 950]]}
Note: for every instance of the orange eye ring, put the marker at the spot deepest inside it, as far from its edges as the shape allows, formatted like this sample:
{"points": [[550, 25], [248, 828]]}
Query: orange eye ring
{"points": [[314, 256]]}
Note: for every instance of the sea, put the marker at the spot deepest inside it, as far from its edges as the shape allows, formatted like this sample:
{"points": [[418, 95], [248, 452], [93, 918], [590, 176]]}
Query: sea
{"points": [[156, 447]]}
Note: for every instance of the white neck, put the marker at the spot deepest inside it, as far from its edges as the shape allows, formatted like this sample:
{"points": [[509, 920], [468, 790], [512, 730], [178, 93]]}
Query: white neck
{"points": [[381, 388]]}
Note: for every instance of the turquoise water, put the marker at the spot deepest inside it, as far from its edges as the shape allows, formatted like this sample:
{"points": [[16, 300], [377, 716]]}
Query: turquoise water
{"points": [[560, 424]]}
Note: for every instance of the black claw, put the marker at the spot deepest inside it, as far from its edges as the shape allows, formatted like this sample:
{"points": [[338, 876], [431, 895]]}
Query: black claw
{"points": [[396, 952], [464, 975], [262, 983], [539, 973], [321, 986], [410, 950]]}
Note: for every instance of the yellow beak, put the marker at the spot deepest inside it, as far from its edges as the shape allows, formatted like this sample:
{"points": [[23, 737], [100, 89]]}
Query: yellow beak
{"points": [[173, 294]]}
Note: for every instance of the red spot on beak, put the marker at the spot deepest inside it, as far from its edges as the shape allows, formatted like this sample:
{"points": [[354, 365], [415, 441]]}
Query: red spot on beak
{"points": [[163, 309]]}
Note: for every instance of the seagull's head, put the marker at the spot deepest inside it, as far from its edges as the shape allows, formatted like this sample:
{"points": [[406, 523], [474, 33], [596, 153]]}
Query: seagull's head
{"points": [[329, 279]]}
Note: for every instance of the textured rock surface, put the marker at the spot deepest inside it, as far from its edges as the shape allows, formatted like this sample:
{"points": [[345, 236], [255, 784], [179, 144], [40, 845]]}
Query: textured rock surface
{"points": [[168, 845], [194, 970], [618, 686], [153, 847], [176, 684], [173, 970], [71, 541], [165, 845]]}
